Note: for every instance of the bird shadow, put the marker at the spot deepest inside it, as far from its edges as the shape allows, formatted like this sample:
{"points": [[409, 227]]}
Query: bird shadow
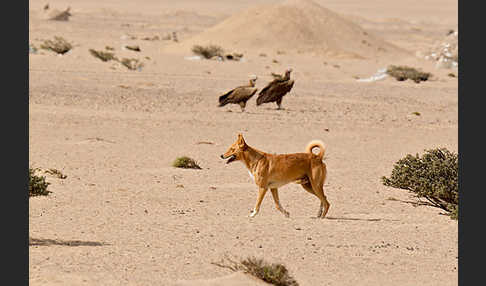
{"points": [[49, 242], [267, 113]]}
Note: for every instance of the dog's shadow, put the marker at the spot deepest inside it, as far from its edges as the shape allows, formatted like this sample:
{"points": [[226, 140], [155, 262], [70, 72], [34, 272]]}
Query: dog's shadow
{"points": [[358, 219], [49, 242]]}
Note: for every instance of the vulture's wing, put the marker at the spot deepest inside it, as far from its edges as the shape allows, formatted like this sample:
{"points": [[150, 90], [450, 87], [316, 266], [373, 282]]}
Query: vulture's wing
{"points": [[274, 90], [242, 93], [226, 98], [287, 87]]}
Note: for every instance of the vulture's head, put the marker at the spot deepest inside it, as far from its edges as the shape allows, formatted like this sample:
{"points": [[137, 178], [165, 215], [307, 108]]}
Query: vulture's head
{"points": [[287, 72], [253, 80]]}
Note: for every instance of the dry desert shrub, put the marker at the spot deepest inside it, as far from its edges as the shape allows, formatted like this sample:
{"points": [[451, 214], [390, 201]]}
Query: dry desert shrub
{"points": [[402, 73], [55, 173], [58, 45], [273, 273], [102, 55], [433, 176], [186, 163], [37, 184], [60, 16], [208, 51], [131, 64], [233, 56]]}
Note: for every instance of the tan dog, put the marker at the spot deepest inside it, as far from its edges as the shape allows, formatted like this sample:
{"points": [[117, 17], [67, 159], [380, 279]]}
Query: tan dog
{"points": [[273, 171]]}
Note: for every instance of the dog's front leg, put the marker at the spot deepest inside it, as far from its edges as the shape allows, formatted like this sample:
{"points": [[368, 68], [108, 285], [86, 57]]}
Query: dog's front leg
{"points": [[277, 202], [261, 193]]}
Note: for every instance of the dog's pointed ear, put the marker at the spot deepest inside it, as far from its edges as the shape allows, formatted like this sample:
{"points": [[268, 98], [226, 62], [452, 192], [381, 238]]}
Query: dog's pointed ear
{"points": [[241, 140]]}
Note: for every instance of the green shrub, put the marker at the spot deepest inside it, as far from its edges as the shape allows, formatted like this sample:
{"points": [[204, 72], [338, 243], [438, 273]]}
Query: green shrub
{"points": [[37, 184], [402, 73], [275, 273], [433, 176], [186, 163]]}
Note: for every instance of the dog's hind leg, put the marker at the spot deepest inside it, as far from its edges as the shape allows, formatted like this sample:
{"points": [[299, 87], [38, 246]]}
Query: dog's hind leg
{"points": [[261, 194], [324, 207], [308, 187], [277, 202], [317, 182]]}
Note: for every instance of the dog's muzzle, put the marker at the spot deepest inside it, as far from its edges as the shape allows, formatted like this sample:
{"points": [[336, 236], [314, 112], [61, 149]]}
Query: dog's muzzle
{"points": [[230, 158]]}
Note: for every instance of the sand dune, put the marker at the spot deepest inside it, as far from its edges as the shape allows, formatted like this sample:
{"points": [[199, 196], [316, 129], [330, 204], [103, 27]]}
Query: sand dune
{"points": [[301, 26]]}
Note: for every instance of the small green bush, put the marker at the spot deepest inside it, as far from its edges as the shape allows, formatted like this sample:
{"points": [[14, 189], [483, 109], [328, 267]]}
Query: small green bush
{"points": [[433, 176], [58, 45], [208, 51], [186, 163], [37, 184], [275, 273], [402, 73]]}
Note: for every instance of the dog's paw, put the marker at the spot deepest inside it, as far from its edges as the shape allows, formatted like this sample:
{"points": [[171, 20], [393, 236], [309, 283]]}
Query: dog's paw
{"points": [[287, 214], [253, 213]]}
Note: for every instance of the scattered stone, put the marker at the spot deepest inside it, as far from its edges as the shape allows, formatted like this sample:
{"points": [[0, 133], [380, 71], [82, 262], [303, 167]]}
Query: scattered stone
{"points": [[379, 75], [445, 52], [233, 56], [135, 48], [154, 38], [32, 49]]}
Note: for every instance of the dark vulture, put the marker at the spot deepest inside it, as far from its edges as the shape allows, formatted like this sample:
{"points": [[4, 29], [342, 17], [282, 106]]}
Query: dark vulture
{"points": [[276, 89], [239, 95]]}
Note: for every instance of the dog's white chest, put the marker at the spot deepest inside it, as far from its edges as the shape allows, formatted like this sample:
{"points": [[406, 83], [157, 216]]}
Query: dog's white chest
{"points": [[251, 175]]}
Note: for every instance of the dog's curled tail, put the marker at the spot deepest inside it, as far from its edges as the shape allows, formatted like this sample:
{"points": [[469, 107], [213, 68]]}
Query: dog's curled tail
{"points": [[316, 143]]}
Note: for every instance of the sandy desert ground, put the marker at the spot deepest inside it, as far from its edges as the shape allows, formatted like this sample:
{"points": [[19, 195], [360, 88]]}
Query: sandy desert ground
{"points": [[125, 216]]}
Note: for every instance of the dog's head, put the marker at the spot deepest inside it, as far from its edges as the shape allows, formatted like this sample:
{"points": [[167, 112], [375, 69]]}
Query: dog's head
{"points": [[235, 150]]}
